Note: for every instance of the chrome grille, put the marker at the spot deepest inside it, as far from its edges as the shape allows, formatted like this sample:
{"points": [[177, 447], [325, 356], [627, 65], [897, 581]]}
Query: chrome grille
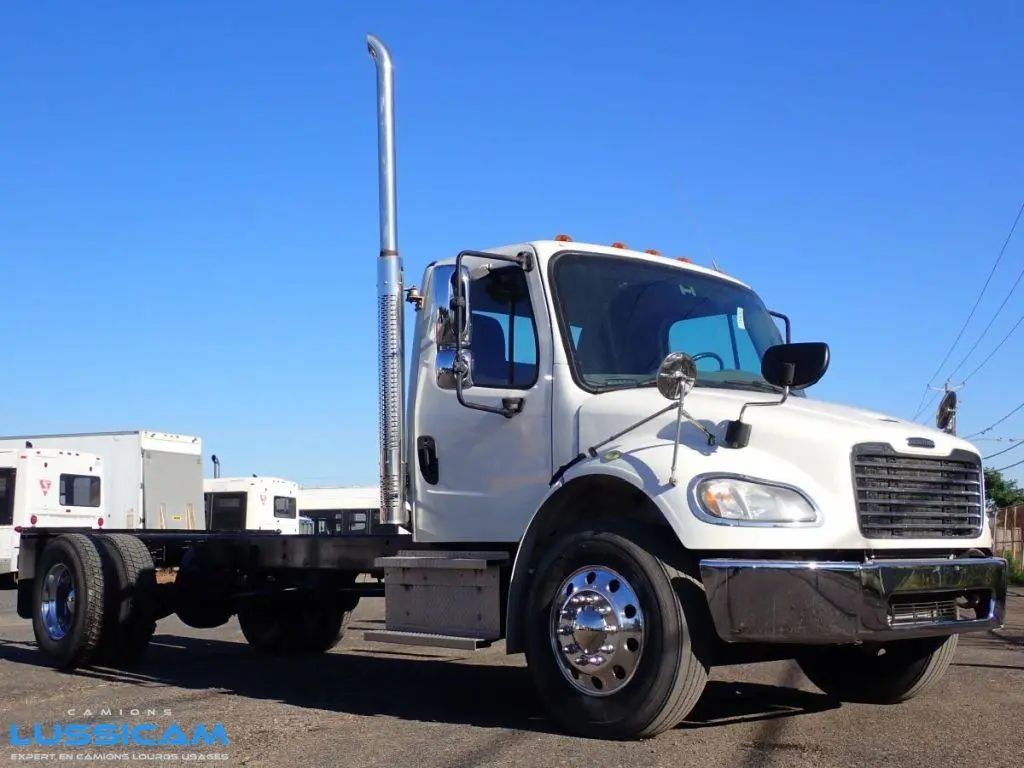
{"points": [[917, 497], [927, 611]]}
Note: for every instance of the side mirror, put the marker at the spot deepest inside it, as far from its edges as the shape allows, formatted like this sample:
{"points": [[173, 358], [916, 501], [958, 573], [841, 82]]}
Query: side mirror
{"points": [[451, 307], [448, 372], [676, 375], [452, 327], [795, 366]]}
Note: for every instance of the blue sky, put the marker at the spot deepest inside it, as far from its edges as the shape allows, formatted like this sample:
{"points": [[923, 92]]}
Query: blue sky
{"points": [[188, 198]]}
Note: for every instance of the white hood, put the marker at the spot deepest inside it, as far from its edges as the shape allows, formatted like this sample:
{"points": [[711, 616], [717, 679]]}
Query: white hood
{"points": [[804, 443]]}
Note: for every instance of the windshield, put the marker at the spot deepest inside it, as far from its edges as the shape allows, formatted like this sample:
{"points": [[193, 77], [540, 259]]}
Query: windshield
{"points": [[625, 315]]}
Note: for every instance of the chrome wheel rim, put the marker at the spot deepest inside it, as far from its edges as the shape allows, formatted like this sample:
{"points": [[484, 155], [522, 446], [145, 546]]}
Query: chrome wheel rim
{"points": [[57, 607], [597, 631]]}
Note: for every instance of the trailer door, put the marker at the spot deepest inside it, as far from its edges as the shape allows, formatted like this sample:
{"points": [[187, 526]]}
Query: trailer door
{"points": [[8, 537], [172, 490]]}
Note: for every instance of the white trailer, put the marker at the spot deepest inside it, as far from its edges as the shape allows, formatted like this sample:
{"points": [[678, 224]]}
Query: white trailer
{"points": [[154, 480], [340, 510], [251, 504], [49, 488]]}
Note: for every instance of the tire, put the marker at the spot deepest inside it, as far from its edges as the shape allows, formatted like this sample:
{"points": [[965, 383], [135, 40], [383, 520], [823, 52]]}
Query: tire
{"points": [[278, 626], [68, 597], [887, 674], [642, 692], [131, 603]]}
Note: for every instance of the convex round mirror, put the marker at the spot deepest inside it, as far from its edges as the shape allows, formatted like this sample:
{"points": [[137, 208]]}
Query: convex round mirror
{"points": [[677, 375]]}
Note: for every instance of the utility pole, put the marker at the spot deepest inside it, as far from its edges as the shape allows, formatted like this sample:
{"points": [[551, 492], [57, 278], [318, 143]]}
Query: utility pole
{"points": [[945, 414]]}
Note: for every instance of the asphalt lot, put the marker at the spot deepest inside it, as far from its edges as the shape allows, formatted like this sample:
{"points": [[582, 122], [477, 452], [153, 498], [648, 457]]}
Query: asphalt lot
{"points": [[367, 704]]}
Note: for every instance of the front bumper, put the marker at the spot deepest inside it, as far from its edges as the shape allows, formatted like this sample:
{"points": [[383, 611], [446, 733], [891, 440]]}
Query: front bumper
{"points": [[773, 601]]}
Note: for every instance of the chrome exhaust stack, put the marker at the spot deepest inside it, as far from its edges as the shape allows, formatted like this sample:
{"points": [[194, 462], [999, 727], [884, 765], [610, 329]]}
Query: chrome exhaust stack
{"points": [[390, 315]]}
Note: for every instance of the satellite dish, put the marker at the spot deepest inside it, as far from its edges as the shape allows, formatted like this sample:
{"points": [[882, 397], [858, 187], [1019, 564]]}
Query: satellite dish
{"points": [[677, 375], [945, 415]]}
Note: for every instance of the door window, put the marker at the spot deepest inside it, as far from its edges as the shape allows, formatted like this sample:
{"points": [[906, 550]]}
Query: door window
{"points": [[504, 333]]}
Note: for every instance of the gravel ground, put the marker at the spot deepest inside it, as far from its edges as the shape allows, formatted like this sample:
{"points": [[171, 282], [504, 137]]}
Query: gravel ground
{"points": [[367, 704]]}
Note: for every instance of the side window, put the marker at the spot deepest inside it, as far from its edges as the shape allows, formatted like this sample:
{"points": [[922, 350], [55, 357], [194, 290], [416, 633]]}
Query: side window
{"points": [[7, 496], [286, 507], [504, 341], [722, 340], [79, 491]]}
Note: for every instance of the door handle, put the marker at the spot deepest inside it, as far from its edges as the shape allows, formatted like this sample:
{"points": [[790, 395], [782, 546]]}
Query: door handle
{"points": [[426, 455]]}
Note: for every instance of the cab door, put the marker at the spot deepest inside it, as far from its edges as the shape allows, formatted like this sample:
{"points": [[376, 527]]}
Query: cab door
{"points": [[477, 475]]}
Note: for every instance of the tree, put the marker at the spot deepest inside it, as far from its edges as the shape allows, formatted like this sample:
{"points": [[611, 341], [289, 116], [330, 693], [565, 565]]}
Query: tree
{"points": [[1001, 491]]}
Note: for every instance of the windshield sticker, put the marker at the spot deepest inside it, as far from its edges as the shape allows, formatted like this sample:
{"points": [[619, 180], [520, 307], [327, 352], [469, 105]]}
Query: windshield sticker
{"points": [[739, 319], [688, 291]]}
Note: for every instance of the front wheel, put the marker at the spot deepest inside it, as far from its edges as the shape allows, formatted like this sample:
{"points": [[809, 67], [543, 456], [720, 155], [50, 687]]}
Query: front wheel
{"points": [[614, 637], [887, 674]]}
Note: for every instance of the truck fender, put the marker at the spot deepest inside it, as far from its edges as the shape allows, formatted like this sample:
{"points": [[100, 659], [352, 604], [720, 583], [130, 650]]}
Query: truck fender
{"points": [[609, 485]]}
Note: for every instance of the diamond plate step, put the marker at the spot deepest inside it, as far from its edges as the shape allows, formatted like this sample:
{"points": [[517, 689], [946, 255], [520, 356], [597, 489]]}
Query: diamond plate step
{"points": [[477, 561], [438, 593], [426, 640]]}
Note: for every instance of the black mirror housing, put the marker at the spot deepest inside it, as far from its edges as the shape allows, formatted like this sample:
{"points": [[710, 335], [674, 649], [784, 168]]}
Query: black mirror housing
{"points": [[797, 365]]}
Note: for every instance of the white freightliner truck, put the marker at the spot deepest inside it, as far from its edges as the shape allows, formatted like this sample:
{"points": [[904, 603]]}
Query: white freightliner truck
{"points": [[626, 544], [251, 503], [153, 479], [49, 488]]}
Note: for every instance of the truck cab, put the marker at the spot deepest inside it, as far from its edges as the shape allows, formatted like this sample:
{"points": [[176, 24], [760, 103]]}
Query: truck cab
{"points": [[46, 488], [558, 382], [251, 503]]}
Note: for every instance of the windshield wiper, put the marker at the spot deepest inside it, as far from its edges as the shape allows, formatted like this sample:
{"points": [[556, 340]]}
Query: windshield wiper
{"points": [[753, 384]]}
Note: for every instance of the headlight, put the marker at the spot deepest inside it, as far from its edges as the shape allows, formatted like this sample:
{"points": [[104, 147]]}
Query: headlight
{"points": [[748, 501]]}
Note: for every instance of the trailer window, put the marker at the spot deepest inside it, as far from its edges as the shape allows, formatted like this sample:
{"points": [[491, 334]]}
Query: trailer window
{"points": [[286, 506], [7, 496], [225, 511], [79, 491], [504, 335]]}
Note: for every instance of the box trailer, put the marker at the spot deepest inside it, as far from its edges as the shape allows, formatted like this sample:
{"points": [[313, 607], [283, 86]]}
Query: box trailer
{"points": [[154, 480], [48, 488], [341, 510], [251, 503]]}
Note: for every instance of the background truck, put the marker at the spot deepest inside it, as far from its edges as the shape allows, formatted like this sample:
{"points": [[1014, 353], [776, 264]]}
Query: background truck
{"points": [[342, 510], [46, 487], [607, 459], [153, 479], [251, 503]]}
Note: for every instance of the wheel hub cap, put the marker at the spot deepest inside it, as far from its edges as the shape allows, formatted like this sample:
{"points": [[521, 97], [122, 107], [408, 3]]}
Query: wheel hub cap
{"points": [[57, 607], [597, 631]]}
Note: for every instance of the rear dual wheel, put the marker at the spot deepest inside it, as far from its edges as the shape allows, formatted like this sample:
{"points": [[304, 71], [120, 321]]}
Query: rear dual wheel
{"points": [[92, 600]]}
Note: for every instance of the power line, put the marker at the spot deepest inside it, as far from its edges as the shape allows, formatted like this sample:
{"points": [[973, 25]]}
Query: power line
{"points": [[995, 423], [1010, 466], [1013, 288], [1005, 450], [996, 349], [974, 309]]}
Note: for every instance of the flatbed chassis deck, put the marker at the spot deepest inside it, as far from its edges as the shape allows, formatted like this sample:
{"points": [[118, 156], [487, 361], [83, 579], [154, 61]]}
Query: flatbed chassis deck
{"points": [[249, 550]]}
